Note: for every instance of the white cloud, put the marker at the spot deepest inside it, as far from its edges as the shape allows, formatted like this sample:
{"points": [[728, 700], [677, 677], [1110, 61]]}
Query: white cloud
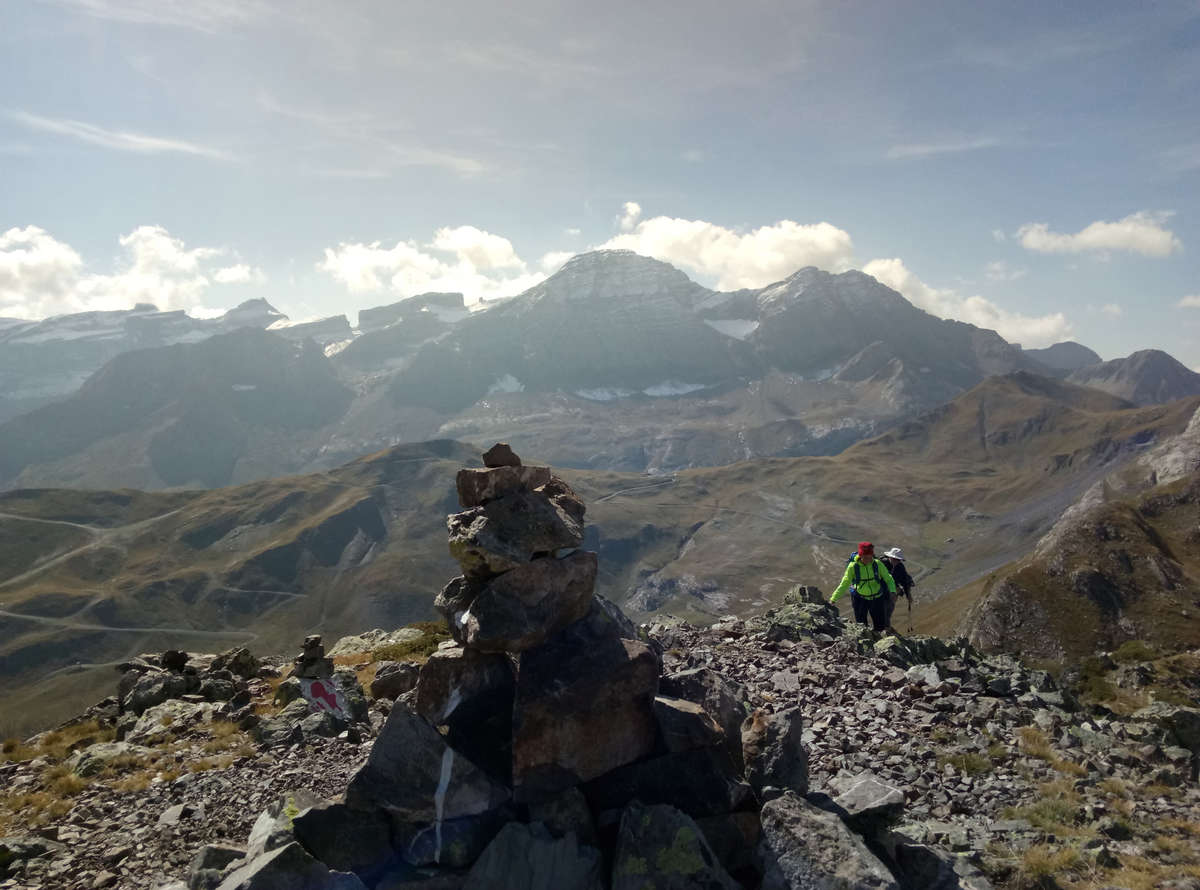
{"points": [[41, 276], [573, 232], [919, 151], [1191, 301], [555, 260], [694, 156], [478, 264], [734, 259], [1112, 310], [1029, 330], [482, 249], [999, 270], [138, 143], [630, 214], [999, 235], [239, 274], [1143, 232]]}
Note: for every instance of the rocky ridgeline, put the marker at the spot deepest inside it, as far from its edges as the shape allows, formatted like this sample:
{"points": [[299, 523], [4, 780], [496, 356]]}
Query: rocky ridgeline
{"points": [[550, 744]]}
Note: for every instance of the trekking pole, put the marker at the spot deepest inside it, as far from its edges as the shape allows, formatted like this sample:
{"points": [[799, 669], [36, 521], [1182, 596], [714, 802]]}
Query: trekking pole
{"points": [[909, 612]]}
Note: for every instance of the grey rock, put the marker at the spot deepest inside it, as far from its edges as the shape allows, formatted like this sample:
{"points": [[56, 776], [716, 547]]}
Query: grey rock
{"points": [[870, 805], [506, 533], [273, 827], [525, 606], [154, 688], [450, 843], [477, 487], [501, 455], [413, 773], [204, 873], [685, 725], [238, 661], [92, 760], [700, 782], [567, 813], [773, 751], [346, 839], [806, 848], [583, 706], [526, 856], [393, 679], [660, 847], [288, 867], [722, 698]]}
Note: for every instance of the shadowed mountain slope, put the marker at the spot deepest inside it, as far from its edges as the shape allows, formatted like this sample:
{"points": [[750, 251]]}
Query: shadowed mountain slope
{"points": [[1149, 377]]}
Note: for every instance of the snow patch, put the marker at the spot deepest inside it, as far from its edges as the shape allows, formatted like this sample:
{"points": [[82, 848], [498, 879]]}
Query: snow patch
{"points": [[332, 349], [673, 388], [507, 383], [738, 328], [604, 394]]}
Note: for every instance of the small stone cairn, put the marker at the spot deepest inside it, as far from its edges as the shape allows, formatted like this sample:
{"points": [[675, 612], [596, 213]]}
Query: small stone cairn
{"points": [[541, 749], [311, 663]]}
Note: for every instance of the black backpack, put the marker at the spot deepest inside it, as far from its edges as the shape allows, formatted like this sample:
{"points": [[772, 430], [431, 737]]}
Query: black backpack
{"points": [[858, 576]]}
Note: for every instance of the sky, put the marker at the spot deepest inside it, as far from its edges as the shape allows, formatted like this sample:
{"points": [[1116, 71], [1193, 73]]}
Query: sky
{"points": [[1028, 167]]}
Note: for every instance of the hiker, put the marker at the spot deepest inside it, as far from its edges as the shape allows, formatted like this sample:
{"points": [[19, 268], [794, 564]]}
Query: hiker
{"points": [[869, 583], [893, 560]]}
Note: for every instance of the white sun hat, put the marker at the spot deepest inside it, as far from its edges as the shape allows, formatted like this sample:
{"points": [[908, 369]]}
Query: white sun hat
{"points": [[895, 553]]}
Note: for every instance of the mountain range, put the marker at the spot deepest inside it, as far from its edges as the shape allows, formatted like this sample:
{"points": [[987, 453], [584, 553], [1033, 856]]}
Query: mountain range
{"points": [[968, 490], [617, 362]]}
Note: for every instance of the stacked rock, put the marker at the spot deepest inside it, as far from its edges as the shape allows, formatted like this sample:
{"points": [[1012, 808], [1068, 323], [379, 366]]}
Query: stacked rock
{"points": [[537, 749], [311, 663]]}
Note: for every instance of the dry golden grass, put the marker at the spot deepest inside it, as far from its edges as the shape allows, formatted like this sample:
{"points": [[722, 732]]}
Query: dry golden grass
{"points": [[1035, 743], [1042, 864]]}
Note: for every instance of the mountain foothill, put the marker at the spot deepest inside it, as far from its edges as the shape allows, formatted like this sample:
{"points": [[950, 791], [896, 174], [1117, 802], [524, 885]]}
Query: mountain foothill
{"points": [[176, 482]]}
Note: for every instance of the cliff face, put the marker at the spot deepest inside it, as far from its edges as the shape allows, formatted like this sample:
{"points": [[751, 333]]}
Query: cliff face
{"points": [[1149, 377]]}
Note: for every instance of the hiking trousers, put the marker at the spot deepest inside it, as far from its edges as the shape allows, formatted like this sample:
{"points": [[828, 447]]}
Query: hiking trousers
{"points": [[877, 608]]}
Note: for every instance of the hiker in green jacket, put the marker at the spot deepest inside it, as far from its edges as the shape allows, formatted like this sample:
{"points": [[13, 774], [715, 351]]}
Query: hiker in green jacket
{"points": [[869, 583]]}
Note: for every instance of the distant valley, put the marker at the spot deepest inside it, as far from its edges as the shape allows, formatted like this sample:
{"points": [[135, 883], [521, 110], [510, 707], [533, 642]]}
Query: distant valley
{"points": [[968, 489]]}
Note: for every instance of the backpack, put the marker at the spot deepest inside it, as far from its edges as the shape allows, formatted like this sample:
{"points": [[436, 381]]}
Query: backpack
{"points": [[858, 576]]}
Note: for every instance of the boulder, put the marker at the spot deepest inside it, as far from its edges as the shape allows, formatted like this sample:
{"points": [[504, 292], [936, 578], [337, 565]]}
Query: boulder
{"points": [[584, 706], [393, 679], [210, 861], [371, 640], [685, 725], [346, 839], [414, 774], [734, 839], [501, 455], [526, 856], [289, 867], [525, 606], [173, 660], [660, 847], [93, 759], [506, 533], [1182, 722], [567, 813], [722, 699], [285, 727], [19, 848], [932, 869], [451, 843], [155, 687], [869, 805], [700, 782], [273, 827], [774, 755], [170, 716], [471, 693], [238, 661], [477, 487], [804, 847]]}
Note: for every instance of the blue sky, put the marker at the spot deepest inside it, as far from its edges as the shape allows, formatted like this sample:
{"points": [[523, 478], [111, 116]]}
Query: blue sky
{"points": [[1030, 167]]}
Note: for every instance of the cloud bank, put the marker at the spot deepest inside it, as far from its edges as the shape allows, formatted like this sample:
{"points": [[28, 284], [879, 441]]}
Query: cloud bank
{"points": [[1028, 330], [466, 259], [137, 143], [42, 276], [1143, 232]]}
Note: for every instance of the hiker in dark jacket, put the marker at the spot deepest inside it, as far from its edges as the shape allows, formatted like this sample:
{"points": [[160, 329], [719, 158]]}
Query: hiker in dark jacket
{"points": [[894, 560], [869, 584]]}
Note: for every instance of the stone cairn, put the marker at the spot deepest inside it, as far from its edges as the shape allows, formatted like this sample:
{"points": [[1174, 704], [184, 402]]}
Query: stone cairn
{"points": [[541, 748], [311, 663]]}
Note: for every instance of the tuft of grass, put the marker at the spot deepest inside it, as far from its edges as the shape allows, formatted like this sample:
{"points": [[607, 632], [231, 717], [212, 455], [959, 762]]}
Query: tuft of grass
{"points": [[1056, 811], [16, 750], [1041, 864], [1133, 651], [419, 649], [971, 764], [1035, 743], [1113, 785]]}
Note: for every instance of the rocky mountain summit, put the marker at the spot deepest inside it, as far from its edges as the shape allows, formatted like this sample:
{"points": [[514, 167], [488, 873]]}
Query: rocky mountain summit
{"points": [[539, 740], [1148, 377]]}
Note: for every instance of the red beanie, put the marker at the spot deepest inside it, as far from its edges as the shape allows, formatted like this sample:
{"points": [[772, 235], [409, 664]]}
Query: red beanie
{"points": [[866, 548]]}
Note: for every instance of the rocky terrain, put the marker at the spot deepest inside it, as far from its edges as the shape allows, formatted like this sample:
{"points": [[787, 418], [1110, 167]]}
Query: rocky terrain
{"points": [[538, 739], [89, 579]]}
